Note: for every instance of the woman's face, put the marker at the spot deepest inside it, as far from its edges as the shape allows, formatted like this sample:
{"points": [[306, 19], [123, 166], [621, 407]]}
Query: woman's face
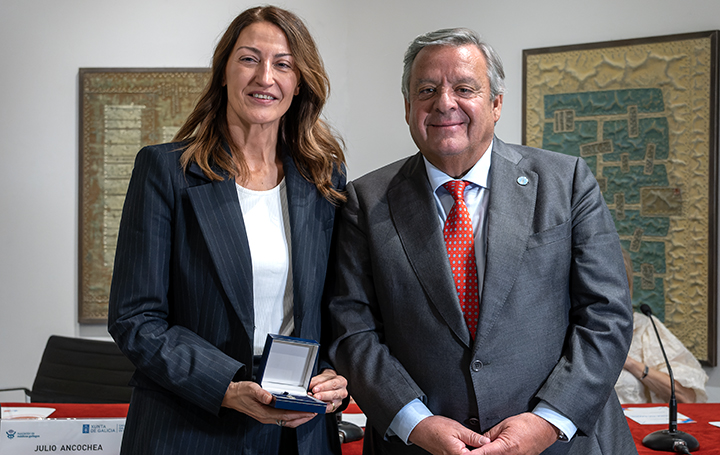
{"points": [[260, 76]]}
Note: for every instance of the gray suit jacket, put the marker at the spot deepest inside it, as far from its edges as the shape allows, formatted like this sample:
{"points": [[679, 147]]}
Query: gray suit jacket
{"points": [[181, 306], [555, 315]]}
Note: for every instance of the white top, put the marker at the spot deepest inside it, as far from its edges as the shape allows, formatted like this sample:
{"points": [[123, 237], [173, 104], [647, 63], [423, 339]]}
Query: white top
{"points": [[645, 349], [267, 225]]}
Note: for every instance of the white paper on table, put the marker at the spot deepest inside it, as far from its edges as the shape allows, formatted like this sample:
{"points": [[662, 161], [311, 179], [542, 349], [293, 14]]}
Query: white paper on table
{"points": [[24, 412], [654, 416]]}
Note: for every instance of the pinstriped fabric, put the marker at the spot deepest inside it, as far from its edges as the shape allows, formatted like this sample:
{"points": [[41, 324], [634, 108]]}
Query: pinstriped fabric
{"points": [[311, 228], [181, 306]]}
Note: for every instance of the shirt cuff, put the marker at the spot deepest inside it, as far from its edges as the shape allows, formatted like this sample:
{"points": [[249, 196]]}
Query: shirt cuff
{"points": [[407, 418], [552, 415]]}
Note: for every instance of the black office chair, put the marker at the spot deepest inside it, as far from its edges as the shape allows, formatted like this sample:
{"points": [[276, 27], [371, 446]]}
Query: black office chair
{"points": [[349, 432], [77, 370]]}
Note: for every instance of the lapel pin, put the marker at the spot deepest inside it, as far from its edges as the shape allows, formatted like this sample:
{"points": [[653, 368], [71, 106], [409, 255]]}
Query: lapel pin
{"points": [[522, 180]]}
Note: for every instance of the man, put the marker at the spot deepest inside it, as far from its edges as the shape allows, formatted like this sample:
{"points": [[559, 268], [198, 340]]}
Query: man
{"points": [[509, 339]]}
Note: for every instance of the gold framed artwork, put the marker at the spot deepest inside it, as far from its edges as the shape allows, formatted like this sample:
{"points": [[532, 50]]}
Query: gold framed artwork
{"points": [[121, 110], [643, 115]]}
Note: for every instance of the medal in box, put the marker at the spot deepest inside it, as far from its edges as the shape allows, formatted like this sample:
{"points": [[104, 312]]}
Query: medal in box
{"points": [[285, 371]]}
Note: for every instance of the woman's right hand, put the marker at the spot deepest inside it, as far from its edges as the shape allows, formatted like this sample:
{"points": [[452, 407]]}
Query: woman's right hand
{"points": [[251, 399]]}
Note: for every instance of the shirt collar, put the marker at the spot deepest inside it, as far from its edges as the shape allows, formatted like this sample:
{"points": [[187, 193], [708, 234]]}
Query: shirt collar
{"points": [[479, 174]]}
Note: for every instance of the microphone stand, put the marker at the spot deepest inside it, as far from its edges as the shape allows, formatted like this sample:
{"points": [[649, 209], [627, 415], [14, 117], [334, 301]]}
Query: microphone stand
{"points": [[670, 440]]}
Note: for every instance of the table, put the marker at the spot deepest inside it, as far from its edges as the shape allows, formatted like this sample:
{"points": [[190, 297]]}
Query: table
{"points": [[707, 435], [702, 413], [78, 410], [75, 428]]}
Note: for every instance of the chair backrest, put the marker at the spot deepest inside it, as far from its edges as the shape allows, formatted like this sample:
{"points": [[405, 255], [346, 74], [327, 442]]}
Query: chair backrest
{"points": [[77, 370]]}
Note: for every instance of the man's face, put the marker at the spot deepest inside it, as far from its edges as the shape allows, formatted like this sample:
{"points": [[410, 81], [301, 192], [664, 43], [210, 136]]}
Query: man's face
{"points": [[449, 108]]}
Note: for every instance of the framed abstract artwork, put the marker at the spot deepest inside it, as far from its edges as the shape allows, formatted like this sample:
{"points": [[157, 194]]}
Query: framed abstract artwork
{"points": [[121, 110], [643, 114]]}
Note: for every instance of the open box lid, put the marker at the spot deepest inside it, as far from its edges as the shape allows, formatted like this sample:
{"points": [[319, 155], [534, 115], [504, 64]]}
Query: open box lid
{"points": [[287, 364]]}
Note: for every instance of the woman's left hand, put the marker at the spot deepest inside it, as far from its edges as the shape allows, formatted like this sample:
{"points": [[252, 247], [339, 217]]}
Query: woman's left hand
{"points": [[329, 387]]}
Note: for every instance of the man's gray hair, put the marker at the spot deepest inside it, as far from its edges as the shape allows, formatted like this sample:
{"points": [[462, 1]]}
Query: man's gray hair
{"points": [[456, 37]]}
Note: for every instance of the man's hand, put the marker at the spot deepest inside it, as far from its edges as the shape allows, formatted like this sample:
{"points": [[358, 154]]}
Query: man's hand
{"points": [[523, 434], [251, 399], [442, 436]]}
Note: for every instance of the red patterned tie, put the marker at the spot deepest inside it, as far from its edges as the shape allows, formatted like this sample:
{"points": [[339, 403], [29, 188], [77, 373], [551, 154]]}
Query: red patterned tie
{"points": [[458, 233]]}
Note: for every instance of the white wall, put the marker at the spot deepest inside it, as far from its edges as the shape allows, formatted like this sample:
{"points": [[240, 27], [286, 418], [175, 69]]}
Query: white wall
{"points": [[44, 42]]}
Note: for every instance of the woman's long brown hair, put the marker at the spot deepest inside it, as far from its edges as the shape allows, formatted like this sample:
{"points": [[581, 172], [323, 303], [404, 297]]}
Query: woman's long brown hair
{"points": [[317, 151]]}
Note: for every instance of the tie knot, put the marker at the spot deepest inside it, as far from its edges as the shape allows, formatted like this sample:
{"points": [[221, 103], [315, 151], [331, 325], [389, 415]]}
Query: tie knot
{"points": [[456, 188]]}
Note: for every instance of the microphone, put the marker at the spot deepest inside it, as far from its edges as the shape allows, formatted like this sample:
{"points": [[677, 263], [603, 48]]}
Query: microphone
{"points": [[670, 440]]}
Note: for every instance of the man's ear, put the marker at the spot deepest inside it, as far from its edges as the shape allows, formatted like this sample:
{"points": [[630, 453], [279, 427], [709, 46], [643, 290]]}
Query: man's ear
{"points": [[497, 107]]}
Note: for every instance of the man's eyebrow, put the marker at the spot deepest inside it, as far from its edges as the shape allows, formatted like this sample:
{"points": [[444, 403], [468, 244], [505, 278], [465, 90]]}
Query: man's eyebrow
{"points": [[426, 81], [469, 80], [465, 80]]}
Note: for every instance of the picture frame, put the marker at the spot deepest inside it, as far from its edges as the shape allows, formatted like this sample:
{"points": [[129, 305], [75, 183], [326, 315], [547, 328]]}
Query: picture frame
{"points": [[643, 115], [121, 110]]}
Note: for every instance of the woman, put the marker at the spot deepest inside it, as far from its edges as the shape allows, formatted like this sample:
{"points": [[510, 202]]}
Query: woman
{"points": [[224, 238], [644, 378]]}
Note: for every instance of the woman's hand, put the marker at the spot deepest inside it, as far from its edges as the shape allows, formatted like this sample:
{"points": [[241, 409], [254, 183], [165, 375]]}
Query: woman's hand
{"points": [[251, 399], [634, 367], [659, 382], [329, 387]]}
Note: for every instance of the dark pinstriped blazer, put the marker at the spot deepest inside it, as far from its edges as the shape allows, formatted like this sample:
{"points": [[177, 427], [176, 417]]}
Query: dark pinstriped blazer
{"points": [[181, 306]]}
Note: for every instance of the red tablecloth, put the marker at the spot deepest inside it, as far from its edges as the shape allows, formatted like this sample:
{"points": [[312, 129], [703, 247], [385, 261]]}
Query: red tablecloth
{"points": [[707, 435], [77, 411]]}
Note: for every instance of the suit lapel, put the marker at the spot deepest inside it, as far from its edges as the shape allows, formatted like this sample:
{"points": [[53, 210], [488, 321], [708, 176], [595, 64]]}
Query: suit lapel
{"points": [[217, 209], [510, 214], [414, 214], [307, 214]]}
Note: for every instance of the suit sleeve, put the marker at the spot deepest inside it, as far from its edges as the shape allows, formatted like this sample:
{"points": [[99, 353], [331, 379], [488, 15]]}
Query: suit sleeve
{"points": [[141, 304], [378, 380], [600, 317]]}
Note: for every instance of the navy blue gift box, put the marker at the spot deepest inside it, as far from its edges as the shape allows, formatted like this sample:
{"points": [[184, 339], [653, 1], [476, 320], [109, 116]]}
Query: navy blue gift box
{"points": [[285, 371]]}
